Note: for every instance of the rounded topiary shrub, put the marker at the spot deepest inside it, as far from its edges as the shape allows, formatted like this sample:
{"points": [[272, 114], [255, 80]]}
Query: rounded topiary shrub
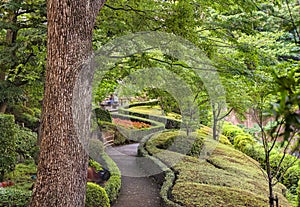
{"points": [[96, 196], [231, 131], [241, 140]]}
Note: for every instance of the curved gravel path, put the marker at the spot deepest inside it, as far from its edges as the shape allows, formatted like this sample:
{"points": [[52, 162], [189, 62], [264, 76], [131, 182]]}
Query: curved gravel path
{"points": [[138, 190]]}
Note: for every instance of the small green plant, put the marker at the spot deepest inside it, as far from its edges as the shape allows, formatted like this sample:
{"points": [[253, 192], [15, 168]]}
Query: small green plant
{"points": [[96, 196], [12, 197], [8, 144]]}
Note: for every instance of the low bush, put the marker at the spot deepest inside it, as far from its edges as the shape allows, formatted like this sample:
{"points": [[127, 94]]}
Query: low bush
{"points": [[102, 115], [26, 144], [291, 178], [22, 176], [10, 197], [96, 196], [8, 144], [113, 185], [231, 131], [96, 149], [241, 140], [287, 162]]}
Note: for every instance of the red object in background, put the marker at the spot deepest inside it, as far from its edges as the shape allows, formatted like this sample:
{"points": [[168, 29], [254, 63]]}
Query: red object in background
{"points": [[6, 184]]}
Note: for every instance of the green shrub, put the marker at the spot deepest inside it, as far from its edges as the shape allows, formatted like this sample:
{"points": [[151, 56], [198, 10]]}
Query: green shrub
{"points": [[102, 115], [241, 140], [14, 198], [8, 144], [231, 131], [96, 196], [291, 178], [26, 143], [256, 151], [190, 145], [298, 193], [113, 186], [96, 149], [288, 161], [21, 176], [96, 165]]}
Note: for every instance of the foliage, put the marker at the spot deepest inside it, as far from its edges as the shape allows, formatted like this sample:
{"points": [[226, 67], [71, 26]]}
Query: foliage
{"points": [[287, 161], [22, 176], [22, 50], [96, 196], [14, 198], [291, 178], [102, 115], [8, 144], [113, 185], [26, 143], [96, 165], [96, 150], [298, 193]]}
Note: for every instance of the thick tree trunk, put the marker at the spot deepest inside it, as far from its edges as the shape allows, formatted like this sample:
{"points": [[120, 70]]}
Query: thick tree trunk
{"points": [[62, 168]]}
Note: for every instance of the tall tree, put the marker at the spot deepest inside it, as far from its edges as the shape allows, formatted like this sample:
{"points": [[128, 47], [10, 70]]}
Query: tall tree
{"points": [[61, 176]]}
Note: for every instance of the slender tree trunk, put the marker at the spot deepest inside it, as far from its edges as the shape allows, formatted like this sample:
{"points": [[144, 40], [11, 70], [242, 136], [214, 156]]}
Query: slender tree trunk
{"points": [[270, 180], [62, 168]]}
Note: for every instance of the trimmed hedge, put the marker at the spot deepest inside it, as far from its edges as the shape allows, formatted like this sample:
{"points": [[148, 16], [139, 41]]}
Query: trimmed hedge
{"points": [[10, 197], [160, 172], [138, 134], [169, 123], [8, 144], [96, 196], [113, 185]]}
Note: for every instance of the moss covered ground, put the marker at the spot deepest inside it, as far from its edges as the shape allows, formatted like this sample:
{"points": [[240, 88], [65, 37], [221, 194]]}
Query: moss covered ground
{"points": [[222, 176]]}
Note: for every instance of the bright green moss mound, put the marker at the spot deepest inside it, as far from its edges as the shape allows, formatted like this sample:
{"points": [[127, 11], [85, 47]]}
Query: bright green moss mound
{"points": [[223, 177]]}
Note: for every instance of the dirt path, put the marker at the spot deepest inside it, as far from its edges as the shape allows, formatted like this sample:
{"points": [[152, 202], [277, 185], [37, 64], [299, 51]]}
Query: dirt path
{"points": [[138, 190]]}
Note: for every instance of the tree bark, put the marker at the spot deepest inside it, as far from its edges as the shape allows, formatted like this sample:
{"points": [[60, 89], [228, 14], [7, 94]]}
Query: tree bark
{"points": [[62, 167]]}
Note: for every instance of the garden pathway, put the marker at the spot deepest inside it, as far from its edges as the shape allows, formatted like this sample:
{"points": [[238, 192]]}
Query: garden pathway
{"points": [[138, 190]]}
